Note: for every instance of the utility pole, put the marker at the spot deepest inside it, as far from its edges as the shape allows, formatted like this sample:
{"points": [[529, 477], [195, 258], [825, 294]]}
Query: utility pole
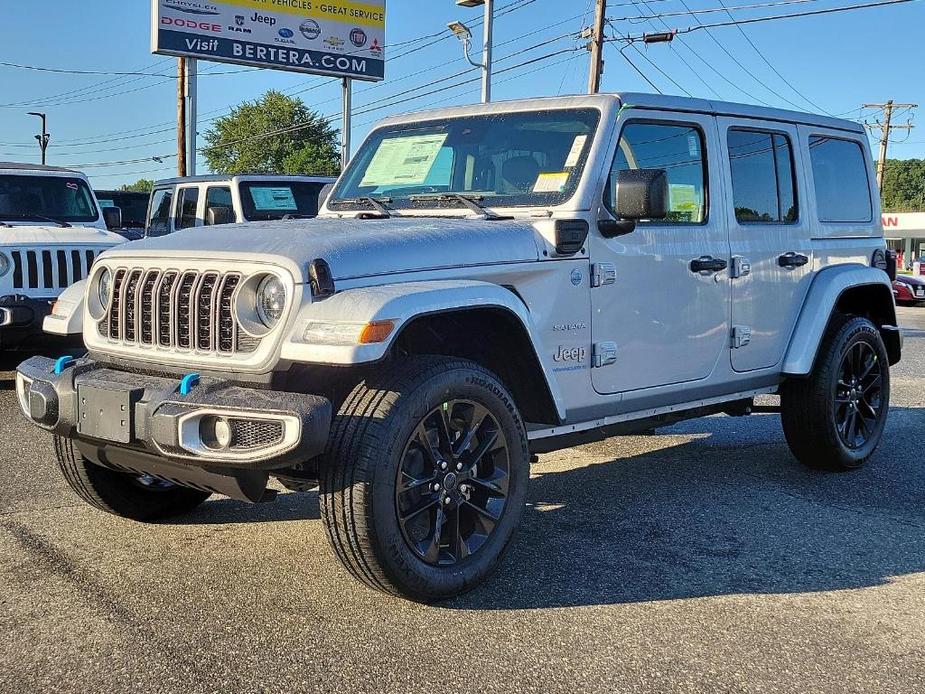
{"points": [[181, 116], [192, 101], [347, 122], [44, 137], [885, 128], [597, 48]]}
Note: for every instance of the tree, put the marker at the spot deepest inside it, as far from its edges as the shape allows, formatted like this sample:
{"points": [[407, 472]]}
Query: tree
{"points": [[142, 185], [904, 185], [239, 142]]}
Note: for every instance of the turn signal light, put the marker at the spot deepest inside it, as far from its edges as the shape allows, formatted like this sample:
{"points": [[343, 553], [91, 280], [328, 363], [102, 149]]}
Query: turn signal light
{"points": [[377, 331]]}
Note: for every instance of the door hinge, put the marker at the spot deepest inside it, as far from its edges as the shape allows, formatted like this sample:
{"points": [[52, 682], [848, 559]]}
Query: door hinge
{"points": [[741, 267], [603, 273], [741, 336], [603, 354]]}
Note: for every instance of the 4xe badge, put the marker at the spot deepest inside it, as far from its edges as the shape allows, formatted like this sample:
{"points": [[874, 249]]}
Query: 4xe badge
{"points": [[576, 277]]}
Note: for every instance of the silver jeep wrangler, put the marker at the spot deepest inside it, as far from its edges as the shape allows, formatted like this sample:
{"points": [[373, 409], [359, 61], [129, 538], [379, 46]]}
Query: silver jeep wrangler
{"points": [[484, 284]]}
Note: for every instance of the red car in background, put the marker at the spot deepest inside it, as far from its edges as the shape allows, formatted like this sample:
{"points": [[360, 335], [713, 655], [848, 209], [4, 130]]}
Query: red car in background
{"points": [[909, 290]]}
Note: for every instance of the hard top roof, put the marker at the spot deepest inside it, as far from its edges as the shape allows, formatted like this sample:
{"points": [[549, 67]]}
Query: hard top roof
{"points": [[660, 102]]}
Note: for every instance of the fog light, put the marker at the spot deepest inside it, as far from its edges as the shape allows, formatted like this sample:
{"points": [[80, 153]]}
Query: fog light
{"points": [[215, 432]]}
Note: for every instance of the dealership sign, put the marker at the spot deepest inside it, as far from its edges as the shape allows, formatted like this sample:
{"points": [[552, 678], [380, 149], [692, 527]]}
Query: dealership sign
{"points": [[341, 38]]}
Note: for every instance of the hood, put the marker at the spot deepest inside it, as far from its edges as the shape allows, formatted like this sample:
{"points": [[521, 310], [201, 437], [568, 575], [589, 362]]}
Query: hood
{"points": [[50, 235], [353, 247], [911, 280]]}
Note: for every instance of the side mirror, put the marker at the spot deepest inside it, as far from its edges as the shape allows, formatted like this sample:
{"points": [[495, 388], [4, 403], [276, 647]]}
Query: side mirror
{"points": [[642, 194], [112, 217], [220, 215]]}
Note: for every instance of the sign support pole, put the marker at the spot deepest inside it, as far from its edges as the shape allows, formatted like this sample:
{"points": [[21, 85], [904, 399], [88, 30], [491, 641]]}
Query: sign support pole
{"points": [[347, 123], [192, 98], [181, 116]]}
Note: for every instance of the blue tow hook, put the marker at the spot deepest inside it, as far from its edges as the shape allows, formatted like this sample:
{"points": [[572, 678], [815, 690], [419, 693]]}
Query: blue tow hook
{"points": [[62, 363], [187, 383]]}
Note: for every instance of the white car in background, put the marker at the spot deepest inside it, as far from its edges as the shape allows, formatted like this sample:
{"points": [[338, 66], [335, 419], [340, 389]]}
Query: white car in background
{"points": [[51, 231]]}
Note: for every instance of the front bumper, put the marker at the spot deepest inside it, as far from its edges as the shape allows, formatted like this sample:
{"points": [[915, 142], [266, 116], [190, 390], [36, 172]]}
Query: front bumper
{"points": [[21, 318], [126, 415]]}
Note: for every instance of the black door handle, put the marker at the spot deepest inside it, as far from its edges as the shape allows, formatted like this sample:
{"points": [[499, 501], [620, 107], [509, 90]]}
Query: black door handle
{"points": [[792, 260], [706, 263]]}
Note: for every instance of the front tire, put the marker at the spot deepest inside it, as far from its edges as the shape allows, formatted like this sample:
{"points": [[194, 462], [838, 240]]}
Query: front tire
{"points": [[425, 477], [834, 419], [137, 497]]}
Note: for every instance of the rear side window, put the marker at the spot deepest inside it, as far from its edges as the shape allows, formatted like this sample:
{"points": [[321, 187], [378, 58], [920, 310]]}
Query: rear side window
{"points": [[840, 178], [219, 206], [186, 207], [679, 150], [763, 183], [159, 217]]}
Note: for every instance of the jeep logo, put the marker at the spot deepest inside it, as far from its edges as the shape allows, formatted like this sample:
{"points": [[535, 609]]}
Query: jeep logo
{"points": [[263, 19], [569, 354]]}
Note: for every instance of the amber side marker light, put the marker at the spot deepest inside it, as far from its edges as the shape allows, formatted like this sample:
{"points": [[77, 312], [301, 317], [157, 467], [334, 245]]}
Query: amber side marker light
{"points": [[376, 332]]}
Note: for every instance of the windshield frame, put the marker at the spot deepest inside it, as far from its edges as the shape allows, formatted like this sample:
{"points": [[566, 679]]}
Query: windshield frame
{"points": [[43, 218], [337, 201]]}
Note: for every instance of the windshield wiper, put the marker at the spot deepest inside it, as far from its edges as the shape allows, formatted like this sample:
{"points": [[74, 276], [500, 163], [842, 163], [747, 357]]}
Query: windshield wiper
{"points": [[42, 218], [470, 201], [378, 204]]}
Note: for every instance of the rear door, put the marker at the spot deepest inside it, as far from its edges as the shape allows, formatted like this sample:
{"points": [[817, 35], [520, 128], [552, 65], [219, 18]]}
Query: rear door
{"points": [[664, 316], [770, 234]]}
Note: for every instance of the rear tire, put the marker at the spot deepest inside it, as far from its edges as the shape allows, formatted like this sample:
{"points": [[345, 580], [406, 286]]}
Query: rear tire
{"points": [[424, 479], [137, 497], [834, 419]]}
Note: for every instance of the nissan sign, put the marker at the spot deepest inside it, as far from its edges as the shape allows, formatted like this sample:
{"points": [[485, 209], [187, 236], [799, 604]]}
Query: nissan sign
{"points": [[340, 38]]}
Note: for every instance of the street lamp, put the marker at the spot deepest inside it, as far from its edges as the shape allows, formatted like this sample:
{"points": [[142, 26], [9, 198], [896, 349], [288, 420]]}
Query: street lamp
{"points": [[44, 137], [463, 34]]}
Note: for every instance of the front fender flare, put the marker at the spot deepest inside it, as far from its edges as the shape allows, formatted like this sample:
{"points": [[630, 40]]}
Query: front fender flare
{"points": [[68, 315], [400, 303], [827, 288]]}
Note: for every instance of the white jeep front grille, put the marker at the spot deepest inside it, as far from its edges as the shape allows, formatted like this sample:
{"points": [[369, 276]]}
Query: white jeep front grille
{"points": [[176, 310], [51, 268]]}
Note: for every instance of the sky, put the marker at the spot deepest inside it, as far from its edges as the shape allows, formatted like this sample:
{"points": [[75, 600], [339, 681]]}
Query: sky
{"points": [[831, 63]]}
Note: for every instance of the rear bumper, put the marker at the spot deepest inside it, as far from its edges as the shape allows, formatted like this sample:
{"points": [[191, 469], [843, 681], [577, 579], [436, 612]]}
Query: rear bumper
{"points": [[21, 318], [139, 419]]}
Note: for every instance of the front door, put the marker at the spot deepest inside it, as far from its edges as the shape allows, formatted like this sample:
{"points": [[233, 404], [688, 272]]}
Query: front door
{"points": [[666, 309], [770, 238]]}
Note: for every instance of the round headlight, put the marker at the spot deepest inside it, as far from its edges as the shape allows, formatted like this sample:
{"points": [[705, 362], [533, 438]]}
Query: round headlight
{"points": [[271, 300], [4, 265], [104, 286]]}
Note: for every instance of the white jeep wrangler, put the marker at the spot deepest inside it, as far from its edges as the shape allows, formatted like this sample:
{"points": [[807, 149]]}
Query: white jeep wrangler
{"points": [[51, 231], [485, 283]]}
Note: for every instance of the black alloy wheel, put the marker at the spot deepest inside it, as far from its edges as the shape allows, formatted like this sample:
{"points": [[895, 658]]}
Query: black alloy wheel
{"points": [[452, 484], [858, 395]]}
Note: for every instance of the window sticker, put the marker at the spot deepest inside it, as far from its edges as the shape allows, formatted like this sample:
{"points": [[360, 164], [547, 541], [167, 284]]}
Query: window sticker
{"points": [[574, 154], [551, 182], [693, 146], [271, 199], [403, 160], [683, 198]]}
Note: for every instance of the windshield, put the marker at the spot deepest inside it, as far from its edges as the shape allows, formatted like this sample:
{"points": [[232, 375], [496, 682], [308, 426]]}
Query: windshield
{"points": [[504, 159], [268, 200], [134, 206], [41, 198]]}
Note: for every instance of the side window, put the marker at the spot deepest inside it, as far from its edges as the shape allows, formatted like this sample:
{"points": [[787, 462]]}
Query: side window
{"points": [[678, 149], [840, 179], [219, 206], [763, 183], [186, 207], [159, 217]]}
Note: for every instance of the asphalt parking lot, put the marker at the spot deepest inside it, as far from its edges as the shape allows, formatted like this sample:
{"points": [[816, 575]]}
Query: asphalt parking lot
{"points": [[702, 558]]}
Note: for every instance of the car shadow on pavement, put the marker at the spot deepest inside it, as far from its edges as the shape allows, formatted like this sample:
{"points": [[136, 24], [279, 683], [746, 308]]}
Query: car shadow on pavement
{"points": [[706, 519], [220, 510]]}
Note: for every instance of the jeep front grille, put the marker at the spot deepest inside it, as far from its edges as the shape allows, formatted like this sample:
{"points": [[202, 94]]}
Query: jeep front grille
{"points": [[176, 310], [51, 268]]}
